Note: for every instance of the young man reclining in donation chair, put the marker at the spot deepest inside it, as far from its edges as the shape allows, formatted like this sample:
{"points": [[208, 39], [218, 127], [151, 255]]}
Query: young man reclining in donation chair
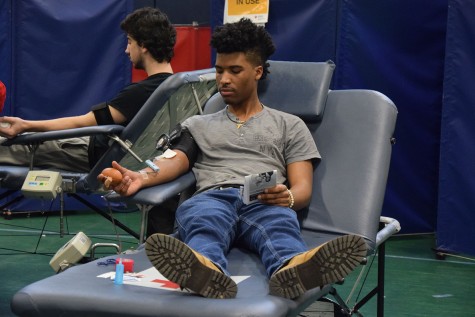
{"points": [[245, 138]]}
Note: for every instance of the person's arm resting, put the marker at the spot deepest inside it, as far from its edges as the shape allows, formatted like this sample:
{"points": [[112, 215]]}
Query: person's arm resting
{"points": [[300, 178], [186, 152], [169, 170]]}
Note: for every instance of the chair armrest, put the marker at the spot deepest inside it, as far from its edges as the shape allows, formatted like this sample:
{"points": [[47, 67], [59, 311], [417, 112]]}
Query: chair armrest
{"points": [[391, 226], [39, 137], [156, 195]]}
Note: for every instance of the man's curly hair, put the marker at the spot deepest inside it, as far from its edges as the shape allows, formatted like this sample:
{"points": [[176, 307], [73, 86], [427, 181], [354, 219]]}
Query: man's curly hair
{"points": [[151, 29], [247, 37]]}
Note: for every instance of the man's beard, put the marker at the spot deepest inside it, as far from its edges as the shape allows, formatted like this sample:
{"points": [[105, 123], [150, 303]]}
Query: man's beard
{"points": [[139, 64]]}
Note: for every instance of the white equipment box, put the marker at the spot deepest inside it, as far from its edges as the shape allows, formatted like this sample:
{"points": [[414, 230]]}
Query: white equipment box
{"points": [[73, 251], [42, 184]]}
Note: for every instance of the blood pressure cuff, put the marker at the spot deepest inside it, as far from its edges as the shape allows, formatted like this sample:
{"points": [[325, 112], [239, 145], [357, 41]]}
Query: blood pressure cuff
{"points": [[102, 114], [98, 144], [185, 142]]}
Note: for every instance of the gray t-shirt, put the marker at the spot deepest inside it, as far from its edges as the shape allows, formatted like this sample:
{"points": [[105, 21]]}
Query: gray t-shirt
{"points": [[268, 141]]}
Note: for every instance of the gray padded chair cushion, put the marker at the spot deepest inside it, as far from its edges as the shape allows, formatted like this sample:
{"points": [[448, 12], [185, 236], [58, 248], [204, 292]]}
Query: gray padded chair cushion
{"points": [[12, 177], [79, 292], [305, 91], [354, 139]]}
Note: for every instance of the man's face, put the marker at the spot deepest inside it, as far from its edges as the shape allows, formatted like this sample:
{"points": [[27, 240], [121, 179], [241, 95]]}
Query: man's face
{"points": [[134, 51], [236, 77]]}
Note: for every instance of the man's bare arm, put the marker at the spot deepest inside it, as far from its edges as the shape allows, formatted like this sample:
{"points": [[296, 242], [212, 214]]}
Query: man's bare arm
{"points": [[133, 181]]}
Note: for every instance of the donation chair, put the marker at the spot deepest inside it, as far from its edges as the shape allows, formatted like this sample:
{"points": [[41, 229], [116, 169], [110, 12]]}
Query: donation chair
{"points": [[177, 98], [353, 130]]}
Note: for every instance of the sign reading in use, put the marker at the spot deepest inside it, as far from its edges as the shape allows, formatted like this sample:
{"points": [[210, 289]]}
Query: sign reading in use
{"points": [[255, 10]]}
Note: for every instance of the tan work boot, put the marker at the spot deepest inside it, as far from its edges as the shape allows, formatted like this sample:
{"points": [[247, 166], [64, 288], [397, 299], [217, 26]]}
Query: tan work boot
{"points": [[182, 265], [325, 264]]}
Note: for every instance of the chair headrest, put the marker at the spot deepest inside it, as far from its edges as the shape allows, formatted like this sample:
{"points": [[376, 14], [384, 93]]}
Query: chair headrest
{"points": [[299, 88]]}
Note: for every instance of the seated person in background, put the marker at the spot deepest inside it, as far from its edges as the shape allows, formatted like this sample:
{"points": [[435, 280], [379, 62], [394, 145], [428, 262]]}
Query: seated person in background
{"points": [[150, 46], [245, 138]]}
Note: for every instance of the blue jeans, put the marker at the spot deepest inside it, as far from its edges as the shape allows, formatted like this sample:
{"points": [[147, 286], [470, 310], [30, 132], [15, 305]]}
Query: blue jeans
{"points": [[213, 221]]}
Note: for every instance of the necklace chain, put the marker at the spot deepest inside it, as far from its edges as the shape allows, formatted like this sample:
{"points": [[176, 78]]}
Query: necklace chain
{"points": [[239, 123]]}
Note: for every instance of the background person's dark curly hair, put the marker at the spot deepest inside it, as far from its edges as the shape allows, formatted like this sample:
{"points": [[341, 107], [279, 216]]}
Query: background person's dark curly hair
{"points": [[151, 28], [247, 37]]}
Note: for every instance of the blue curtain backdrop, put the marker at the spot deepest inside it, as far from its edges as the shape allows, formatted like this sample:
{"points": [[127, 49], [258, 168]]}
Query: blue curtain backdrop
{"points": [[456, 217], [59, 58], [302, 31], [396, 47], [66, 56]]}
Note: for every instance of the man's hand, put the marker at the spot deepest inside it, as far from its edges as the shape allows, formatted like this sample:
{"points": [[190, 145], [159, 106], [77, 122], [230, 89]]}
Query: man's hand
{"points": [[10, 127], [277, 195], [130, 184]]}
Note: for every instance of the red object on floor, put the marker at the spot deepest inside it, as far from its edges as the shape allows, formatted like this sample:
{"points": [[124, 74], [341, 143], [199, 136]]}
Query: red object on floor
{"points": [[3, 95], [192, 51]]}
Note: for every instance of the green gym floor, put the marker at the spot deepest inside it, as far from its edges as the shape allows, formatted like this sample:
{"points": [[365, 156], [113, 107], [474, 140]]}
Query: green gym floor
{"points": [[417, 284]]}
